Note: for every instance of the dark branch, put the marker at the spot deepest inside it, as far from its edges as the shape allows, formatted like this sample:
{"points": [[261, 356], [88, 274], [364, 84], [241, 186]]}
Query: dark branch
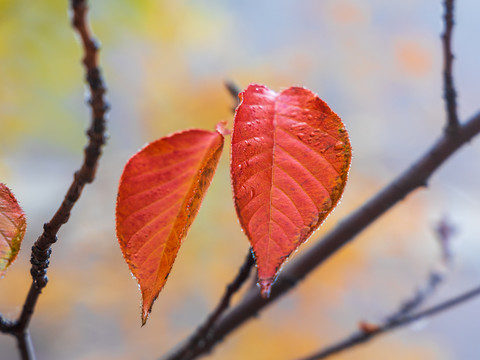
{"points": [[194, 345], [362, 336], [449, 92], [414, 177], [25, 346], [41, 250]]}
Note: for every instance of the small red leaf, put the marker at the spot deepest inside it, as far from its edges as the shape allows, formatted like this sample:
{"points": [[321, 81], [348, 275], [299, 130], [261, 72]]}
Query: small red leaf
{"points": [[289, 165], [160, 192], [12, 228]]}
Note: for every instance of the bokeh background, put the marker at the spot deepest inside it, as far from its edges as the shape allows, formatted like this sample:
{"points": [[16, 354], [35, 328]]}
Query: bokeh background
{"points": [[378, 65]]}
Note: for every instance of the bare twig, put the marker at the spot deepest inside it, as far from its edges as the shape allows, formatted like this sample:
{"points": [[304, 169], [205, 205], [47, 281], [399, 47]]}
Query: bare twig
{"points": [[41, 250], [434, 279], [414, 177], [362, 336], [449, 92], [25, 346], [444, 232], [195, 344]]}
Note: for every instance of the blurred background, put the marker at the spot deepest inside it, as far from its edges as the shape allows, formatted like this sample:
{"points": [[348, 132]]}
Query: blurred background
{"points": [[376, 63]]}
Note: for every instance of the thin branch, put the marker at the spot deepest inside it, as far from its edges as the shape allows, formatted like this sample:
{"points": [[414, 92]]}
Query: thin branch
{"points": [[195, 344], [449, 92], [362, 336], [434, 279], [414, 177], [41, 250], [444, 232], [25, 346]]}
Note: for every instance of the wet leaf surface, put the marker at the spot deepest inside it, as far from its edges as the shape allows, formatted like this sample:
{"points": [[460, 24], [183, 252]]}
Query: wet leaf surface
{"points": [[289, 164]]}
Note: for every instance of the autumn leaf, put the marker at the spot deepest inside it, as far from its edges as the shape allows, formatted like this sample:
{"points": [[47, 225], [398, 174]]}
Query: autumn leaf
{"points": [[160, 192], [12, 228], [290, 159]]}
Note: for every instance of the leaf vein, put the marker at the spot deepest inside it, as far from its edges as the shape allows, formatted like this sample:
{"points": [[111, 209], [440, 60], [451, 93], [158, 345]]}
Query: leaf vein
{"points": [[159, 186], [299, 185], [159, 170], [309, 147], [150, 204], [306, 168]]}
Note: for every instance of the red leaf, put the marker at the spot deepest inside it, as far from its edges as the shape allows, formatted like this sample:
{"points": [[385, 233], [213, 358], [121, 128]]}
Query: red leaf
{"points": [[160, 192], [290, 159], [12, 228]]}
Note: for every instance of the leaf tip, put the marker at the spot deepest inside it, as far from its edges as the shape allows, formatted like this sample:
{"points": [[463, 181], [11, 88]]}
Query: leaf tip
{"points": [[265, 287], [145, 313], [148, 298]]}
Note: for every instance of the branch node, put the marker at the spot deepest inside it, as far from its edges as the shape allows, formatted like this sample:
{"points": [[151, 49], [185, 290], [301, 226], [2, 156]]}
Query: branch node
{"points": [[94, 79], [40, 261]]}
